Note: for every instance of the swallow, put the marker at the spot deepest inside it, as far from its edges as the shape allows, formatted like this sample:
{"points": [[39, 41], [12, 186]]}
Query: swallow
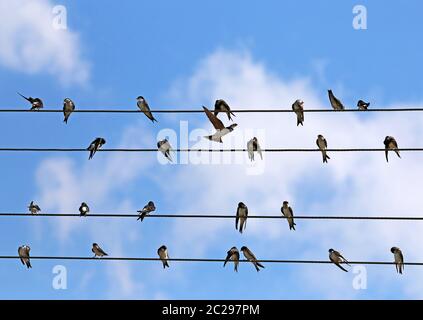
{"points": [[94, 146], [391, 144], [298, 108], [162, 252], [144, 107], [36, 103], [68, 108], [322, 144], [289, 214], [221, 130], [149, 207], [335, 102], [251, 257], [23, 252], [337, 259], [241, 217], [362, 105], [83, 209], [165, 147], [233, 254], [98, 252], [252, 146], [221, 106], [399, 259], [34, 208]]}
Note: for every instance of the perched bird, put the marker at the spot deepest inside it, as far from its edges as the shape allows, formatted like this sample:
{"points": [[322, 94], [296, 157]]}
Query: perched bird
{"points": [[233, 255], [144, 107], [165, 147], [149, 207], [23, 252], [399, 259], [335, 102], [362, 105], [221, 130], [68, 108], [251, 257], [241, 217], [36, 103], [322, 144], [298, 107], [34, 208], [289, 214], [391, 144], [162, 252], [221, 106], [337, 259], [83, 209], [252, 146], [98, 252], [94, 146]]}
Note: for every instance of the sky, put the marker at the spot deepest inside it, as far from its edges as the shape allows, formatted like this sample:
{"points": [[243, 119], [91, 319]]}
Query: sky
{"points": [[104, 54]]}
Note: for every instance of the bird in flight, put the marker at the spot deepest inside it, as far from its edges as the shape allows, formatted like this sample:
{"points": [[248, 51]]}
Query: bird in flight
{"points": [[144, 107], [221, 106], [36, 103], [68, 108], [221, 130]]}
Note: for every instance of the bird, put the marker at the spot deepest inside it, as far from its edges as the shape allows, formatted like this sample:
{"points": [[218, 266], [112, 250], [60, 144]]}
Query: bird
{"points": [[298, 107], [241, 217], [94, 146], [289, 214], [144, 107], [251, 257], [83, 209], [221, 106], [162, 252], [399, 259], [362, 105], [98, 252], [149, 207], [68, 108], [221, 130], [233, 255], [390, 144], [165, 147], [322, 144], [335, 102], [337, 259], [34, 208], [36, 103], [253, 145], [23, 252]]}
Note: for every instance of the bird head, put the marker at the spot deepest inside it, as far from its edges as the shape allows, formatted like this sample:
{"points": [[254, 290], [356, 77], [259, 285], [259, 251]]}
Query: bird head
{"points": [[140, 98], [95, 244], [393, 249], [232, 126], [243, 248], [285, 203], [241, 205], [320, 136], [331, 250]]}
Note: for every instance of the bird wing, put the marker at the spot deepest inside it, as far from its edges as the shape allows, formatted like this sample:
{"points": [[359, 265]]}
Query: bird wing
{"points": [[217, 124], [290, 210], [259, 151], [237, 219], [250, 148], [325, 142]]}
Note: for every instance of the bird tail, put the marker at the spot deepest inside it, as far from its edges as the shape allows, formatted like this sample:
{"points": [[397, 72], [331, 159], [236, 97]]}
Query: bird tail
{"points": [[66, 119], [292, 226], [325, 157], [23, 96], [341, 267], [28, 264], [165, 264], [386, 155], [260, 265], [398, 154], [154, 119]]}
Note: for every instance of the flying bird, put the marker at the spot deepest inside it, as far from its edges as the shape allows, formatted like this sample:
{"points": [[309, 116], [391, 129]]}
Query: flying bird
{"points": [[221, 130], [165, 148], [221, 106], [23, 252], [68, 108], [362, 105], [335, 102], [399, 259], [98, 252], [149, 207], [289, 214], [162, 252], [34, 208], [322, 144], [233, 255], [298, 107], [391, 144], [253, 146], [241, 217], [144, 107], [251, 257], [83, 209], [94, 146], [337, 259], [36, 103]]}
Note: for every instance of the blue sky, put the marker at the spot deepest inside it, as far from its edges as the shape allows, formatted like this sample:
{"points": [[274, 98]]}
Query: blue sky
{"points": [[187, 54]]}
